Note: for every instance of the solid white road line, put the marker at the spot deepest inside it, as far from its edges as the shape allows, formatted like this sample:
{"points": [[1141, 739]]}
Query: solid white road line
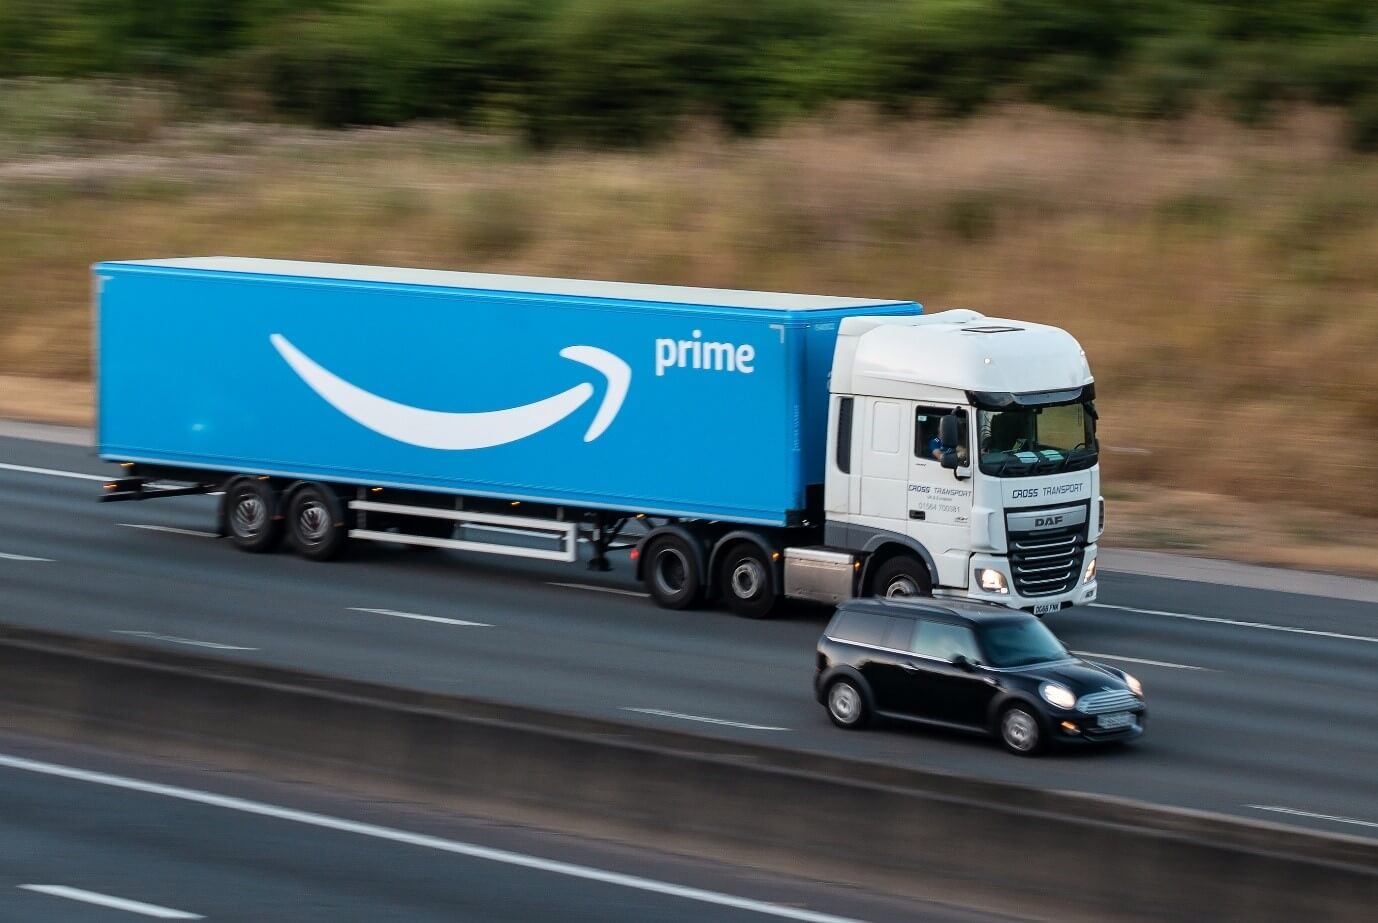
{"points": [[424, 841], [700, 718], [171, 639], [55, 473], [23, 557], [1239, 624], [1330, 817], [421, 618], [115, 903], [1151, 663], [169, 529], [601, 589]]}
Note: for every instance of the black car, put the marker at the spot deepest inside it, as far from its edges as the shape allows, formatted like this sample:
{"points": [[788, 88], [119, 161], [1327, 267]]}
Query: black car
{"points": [[972, 667]]}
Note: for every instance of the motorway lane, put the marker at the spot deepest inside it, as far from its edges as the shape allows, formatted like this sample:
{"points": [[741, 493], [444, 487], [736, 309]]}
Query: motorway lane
{"points": [[84, 831], [1241, 717]]}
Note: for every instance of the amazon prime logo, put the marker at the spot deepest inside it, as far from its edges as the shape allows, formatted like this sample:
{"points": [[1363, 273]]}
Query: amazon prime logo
{"points": [[434, 429], [704, 355]]}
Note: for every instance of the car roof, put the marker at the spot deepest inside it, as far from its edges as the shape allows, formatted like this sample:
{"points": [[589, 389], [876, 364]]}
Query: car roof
{"points": [[941, 610]]}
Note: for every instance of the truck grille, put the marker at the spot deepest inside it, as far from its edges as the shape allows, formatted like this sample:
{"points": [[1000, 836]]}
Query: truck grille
{"points": [[1100, 703], [1047, 562]]}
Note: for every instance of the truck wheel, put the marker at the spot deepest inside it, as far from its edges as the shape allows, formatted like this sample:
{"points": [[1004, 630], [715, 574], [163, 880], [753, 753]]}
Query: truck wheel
{"points": [[901, 577], [317, 523], [746, 582], [672, 573], [248, 516]]}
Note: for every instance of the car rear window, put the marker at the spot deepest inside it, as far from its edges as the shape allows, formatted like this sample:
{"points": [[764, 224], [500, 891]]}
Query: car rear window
{"points": [[860, 627]]}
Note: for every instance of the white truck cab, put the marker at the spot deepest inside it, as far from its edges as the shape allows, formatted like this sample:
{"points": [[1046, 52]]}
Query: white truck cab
{"points": [[1007, 507]]}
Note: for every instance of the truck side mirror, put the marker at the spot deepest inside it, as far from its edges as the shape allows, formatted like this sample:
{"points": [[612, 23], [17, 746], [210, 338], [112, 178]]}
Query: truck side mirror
{"points": [[950, 438], [949, 431]]}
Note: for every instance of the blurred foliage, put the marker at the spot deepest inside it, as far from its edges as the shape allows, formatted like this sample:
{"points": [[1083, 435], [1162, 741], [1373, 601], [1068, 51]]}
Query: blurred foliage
{"points": [[623, 72]]}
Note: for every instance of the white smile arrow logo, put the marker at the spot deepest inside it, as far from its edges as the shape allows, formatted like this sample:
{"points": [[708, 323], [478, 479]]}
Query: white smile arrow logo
{"points": [[433, 429]]}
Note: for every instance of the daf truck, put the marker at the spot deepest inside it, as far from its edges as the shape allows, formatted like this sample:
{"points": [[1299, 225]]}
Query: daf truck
{"points": [[745, 446]]}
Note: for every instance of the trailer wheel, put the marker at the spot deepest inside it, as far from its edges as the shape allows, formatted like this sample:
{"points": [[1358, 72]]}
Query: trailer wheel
{"points": [[672, 573], [316, 521], [746, 581], [248, 512]]}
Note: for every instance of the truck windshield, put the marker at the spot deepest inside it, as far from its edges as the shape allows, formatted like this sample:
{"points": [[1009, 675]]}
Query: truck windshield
{"points": [[1024, 441]]}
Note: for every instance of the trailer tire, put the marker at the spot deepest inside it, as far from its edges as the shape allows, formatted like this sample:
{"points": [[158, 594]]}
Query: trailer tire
{"points": [[746, 583], [672, 573], [316, 521], [249, 515]]}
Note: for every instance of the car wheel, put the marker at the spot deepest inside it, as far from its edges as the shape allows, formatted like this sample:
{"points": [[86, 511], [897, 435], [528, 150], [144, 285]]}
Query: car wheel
{"points": [[1020, 730], [672, 573], [746, 581], [317, 523], [847, 705], [249, 516], [903, 577]]}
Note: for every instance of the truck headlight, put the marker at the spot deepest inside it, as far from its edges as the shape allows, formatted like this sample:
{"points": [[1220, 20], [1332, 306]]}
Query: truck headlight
{"points": [[1090, 572], [991, 580], [1057, 695]]}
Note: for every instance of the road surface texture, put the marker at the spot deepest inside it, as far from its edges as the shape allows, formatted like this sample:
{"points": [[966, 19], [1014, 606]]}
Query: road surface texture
{"points": [[1261, 701], [94, 837]]}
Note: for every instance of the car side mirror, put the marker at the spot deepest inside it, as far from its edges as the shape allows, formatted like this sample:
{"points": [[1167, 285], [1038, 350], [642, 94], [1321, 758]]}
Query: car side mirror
{"points": [[961, 663]]}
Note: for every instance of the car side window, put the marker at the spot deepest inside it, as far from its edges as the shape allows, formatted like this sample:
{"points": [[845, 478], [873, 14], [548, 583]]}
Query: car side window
{"points": [[899, 633], [943, 641], [860, 627]]}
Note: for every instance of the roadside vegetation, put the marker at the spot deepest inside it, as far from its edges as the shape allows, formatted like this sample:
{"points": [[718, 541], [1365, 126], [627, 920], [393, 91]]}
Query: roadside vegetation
{"points": [[1182, 183], [623, 72]]}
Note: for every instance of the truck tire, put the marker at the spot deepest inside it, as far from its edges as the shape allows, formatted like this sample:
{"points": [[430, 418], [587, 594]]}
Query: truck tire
{"points": [[672, 573], [249, 515], [316, 522], [746, 582], [901, 577]]}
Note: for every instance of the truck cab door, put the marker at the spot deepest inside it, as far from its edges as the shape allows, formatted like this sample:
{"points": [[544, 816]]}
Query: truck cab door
{"points": [[938, 505], [885, 462]]}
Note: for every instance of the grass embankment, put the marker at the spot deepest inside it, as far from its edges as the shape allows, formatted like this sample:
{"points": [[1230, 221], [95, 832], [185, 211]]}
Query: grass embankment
{"points": [[1222, 280]]}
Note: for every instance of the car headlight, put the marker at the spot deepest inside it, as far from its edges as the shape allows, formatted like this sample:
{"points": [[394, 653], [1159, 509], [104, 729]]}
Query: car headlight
{"points": [[1090, 572], [1057, 695], [991, 580], [1135, 686]]}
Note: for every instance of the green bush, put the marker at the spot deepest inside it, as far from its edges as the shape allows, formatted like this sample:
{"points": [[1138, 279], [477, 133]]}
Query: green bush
{"points": [[619, 72]]}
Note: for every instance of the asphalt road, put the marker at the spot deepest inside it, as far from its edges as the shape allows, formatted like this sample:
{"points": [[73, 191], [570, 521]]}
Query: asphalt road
{"points": [[1262, 703], [90, 837]]}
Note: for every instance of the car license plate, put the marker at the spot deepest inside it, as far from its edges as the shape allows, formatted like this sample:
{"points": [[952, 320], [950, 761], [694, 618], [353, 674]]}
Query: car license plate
{"points": [[1112, 722], [1045, 608]]}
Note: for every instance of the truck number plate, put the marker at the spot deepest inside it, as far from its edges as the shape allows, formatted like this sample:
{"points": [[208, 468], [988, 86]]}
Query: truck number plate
{"points": [[1045, 608], [1118, 720]]}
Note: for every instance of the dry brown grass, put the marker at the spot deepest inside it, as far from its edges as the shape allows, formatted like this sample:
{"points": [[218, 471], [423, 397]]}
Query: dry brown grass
{"points": [[1223, 281]]}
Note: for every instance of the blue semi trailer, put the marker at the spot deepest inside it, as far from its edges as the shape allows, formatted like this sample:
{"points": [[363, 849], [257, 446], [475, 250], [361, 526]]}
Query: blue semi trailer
{"points": [[518, 415]]}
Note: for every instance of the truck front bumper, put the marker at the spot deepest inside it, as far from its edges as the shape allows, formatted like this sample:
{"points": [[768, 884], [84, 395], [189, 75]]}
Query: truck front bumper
{"points": [[1082, 593]]}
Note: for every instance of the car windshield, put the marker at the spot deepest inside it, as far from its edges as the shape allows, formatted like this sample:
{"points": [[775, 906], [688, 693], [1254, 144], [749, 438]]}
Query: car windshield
{"points": [[1024, 441], [1020, 643]]}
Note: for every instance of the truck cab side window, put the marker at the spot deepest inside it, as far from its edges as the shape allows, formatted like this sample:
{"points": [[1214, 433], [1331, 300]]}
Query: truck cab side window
{"points": [[926, 431], [844, 435]]}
